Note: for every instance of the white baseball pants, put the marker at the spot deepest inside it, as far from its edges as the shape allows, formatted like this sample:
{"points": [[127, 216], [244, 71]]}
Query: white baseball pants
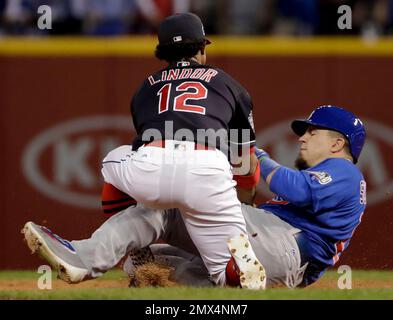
{"points": [[198, 182]]}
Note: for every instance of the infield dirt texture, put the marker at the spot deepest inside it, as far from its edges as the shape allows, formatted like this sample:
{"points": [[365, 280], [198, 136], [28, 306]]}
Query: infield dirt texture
{"points": [[114, 285]]}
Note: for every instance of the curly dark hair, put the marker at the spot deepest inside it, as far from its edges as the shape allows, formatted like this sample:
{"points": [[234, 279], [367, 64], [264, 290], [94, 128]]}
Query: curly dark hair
{"points": [[176, 51]]}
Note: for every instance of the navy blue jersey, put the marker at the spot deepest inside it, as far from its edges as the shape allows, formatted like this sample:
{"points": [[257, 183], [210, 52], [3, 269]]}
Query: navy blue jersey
{"points": [[189, 101], [326, 202]]}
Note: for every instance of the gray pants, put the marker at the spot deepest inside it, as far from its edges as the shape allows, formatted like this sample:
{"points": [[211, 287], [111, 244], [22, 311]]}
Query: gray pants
{"points": [[138, 227], [275, 246]]}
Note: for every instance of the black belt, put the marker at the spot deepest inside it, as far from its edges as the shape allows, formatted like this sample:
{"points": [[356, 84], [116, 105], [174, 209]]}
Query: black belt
{"points": [[303, 244]]}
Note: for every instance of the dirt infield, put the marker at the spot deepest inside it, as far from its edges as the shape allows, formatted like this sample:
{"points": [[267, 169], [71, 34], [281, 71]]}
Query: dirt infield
{"points": [[356, 284], [58, 284], [7, 285]]}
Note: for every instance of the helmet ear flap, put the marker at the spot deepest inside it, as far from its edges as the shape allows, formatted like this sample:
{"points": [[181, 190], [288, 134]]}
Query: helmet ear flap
{"points": [[356, 143]]}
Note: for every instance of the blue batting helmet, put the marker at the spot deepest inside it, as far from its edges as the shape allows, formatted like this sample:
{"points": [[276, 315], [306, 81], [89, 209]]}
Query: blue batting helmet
{"points": [[337, 119]]}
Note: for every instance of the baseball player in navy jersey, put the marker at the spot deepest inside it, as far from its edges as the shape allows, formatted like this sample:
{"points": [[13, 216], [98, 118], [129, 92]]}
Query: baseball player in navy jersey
{"points": [[297, 235], [192, 122]]}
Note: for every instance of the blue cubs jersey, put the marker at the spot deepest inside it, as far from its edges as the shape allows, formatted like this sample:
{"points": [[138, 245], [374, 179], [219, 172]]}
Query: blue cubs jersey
{"points": [[326, 202]]}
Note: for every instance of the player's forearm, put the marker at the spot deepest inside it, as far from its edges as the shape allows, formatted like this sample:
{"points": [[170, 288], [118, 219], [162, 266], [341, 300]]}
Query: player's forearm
{"points": [[246, 196], [268, 166], [270, 176], [246, 184], [285, 182]]}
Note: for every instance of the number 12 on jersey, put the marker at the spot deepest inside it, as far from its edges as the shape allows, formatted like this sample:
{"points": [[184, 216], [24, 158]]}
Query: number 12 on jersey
{"points": [[192, 90]]}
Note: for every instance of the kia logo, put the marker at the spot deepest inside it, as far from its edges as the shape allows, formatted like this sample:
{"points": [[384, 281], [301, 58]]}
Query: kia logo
{"points": [[72, 153], [63, 162], [282, 144]]}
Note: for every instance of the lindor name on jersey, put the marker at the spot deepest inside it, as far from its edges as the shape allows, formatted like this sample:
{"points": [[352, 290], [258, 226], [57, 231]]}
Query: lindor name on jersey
{"points": [[186, 73]]}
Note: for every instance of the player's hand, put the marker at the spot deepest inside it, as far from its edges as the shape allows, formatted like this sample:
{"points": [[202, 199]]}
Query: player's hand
{"points": [[260, 153]]}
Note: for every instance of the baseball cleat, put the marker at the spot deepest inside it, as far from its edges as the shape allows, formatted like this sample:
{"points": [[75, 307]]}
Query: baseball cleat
{"points": [[58, 252], [251, 272]]}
